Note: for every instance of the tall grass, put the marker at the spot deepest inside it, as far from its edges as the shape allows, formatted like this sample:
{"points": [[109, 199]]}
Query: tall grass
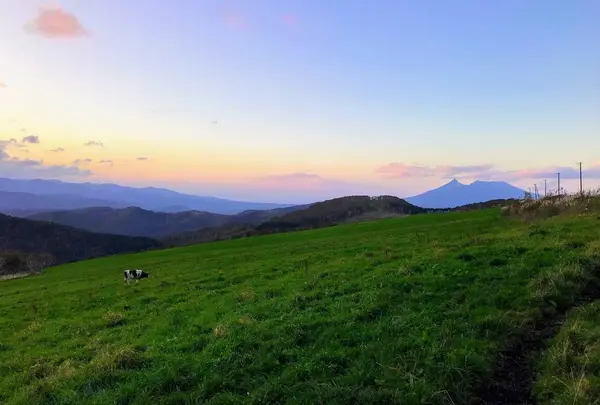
{"points": [[587, 202]]}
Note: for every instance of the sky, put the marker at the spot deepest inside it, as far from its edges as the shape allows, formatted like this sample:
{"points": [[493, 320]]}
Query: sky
{"points": [[299, 100]]}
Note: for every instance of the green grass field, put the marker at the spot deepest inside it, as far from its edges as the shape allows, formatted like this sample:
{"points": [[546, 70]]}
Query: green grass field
{"points": [[400, 311]]}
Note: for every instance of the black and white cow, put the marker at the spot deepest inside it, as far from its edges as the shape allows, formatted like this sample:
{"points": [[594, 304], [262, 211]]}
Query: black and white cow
{"points": [[134, 275]]}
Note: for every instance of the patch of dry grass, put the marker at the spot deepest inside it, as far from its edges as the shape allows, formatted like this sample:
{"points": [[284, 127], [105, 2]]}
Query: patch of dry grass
{"points": [[113, 318], [220, 330], [552, 205]]}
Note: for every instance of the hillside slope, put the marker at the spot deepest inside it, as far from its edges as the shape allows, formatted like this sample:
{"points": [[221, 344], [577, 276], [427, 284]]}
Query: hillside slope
{"points": [[64, 243], [135, 221], [340, 210], [402, 311], [322, 214]]}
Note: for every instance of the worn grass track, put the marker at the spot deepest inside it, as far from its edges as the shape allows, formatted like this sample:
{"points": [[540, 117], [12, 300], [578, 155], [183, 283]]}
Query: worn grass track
{"points": [[516, 372], [569, 371], [408, 311]]}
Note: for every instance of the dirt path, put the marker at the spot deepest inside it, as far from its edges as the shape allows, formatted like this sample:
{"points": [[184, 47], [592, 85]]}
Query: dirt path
{"points": [[512, 381]]}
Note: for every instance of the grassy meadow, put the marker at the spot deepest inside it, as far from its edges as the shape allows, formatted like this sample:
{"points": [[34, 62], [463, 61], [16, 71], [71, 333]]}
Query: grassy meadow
{"points": [[399, 311]]}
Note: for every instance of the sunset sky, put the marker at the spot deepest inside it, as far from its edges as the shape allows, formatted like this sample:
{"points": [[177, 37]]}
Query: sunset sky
{"points": [[297, 100]]}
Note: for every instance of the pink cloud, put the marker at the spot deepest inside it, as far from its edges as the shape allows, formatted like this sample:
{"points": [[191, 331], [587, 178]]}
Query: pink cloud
{"points": [[292, 188], [484, 172], [290, 20], [403, 170], [54, 22], [232, 17], [308, 187], [566, 172], [296, 180]]}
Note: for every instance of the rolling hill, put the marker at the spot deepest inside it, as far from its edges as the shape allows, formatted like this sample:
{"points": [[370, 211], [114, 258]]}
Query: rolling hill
{"points": [[318, 215], [429, 309], [64, 243], [341, 210], [132, 221], [135, 221], [116, 196], [454, 194]]}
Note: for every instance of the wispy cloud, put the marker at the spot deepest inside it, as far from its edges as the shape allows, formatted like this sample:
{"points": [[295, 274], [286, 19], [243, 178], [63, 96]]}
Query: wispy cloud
{"points": [[107, 162], [78, 162], [57, 150], [31, 139], [403, 170], [142, 158], [296, 178], [298, 187], [4, 145], [566, 172], [55, 22], [93, 143], [12, 166], [483, 172], [37, 169], [303, 184]]}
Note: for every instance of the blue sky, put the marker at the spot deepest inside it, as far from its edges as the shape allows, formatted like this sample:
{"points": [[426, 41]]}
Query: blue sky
{"points": [[311, 98]]}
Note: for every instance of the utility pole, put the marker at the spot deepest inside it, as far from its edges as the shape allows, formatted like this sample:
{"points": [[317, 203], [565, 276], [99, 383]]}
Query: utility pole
{"points": [[558, 174], [545, 188], [580, 179]]}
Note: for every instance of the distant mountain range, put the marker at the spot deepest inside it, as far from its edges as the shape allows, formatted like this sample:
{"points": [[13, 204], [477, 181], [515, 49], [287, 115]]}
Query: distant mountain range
{"points": [[50, 195], [25, 198], [22, 204], [455, 194]]}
